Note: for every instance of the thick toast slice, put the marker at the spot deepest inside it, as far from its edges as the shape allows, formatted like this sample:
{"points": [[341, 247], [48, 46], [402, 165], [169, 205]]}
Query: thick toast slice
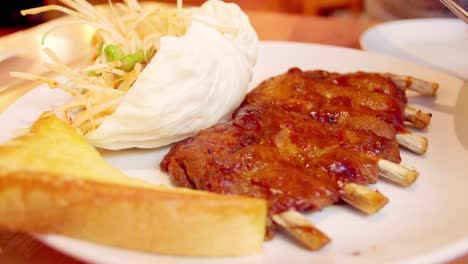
{"points": [[53, 181]]}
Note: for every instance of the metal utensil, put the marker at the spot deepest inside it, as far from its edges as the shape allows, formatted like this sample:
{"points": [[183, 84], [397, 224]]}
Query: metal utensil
{"points": [[456, 9]]}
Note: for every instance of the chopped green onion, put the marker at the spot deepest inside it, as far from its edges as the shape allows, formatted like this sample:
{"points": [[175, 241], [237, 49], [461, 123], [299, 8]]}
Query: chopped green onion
{"points": [[129, 61], [99, 51], [92, 73], [113, 52]]}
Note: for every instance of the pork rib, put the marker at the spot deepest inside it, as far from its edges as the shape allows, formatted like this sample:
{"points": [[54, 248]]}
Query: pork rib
{"points": [[297, 140]]}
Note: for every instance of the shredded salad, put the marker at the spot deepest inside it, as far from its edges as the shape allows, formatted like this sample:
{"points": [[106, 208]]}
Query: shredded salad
{"points": [[126, 38]]}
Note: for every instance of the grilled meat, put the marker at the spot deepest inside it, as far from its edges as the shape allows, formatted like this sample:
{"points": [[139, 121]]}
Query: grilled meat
{"points": [[296, 140]]}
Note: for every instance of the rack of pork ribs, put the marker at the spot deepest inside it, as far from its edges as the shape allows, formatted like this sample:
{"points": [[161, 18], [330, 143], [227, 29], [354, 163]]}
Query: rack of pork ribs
{"points": [[305, 140]]}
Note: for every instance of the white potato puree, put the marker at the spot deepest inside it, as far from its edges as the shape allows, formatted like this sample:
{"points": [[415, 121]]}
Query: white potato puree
{"points": [[193, 82]]}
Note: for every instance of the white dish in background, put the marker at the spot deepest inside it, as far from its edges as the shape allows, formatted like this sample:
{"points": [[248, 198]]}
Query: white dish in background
{"points": [[441, 43], [424, 223]]}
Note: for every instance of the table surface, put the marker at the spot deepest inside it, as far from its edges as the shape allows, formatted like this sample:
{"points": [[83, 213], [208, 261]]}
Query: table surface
{"points": [[20, 248]]}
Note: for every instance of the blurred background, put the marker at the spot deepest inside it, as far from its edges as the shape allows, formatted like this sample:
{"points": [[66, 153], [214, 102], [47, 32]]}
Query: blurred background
{"points": [[380, 10]]}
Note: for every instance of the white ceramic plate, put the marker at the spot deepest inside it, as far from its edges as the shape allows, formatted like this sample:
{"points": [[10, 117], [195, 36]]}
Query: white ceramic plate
{"points": [[427, 221], [441, 43], [5, 55]]}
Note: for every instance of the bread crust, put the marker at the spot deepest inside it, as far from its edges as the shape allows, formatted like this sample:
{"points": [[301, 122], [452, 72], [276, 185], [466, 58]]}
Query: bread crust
{"points": [[164, 220]]}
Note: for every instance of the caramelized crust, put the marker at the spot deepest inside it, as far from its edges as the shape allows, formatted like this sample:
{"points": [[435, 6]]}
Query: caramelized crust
{"points": [[297, 140]]}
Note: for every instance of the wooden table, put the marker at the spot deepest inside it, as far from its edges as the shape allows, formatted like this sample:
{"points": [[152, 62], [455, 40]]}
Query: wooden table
{"points": [[20, 248]]}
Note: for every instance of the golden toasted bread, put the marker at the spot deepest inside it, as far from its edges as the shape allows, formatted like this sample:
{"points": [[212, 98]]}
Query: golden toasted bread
{"points": [[52, 181]]}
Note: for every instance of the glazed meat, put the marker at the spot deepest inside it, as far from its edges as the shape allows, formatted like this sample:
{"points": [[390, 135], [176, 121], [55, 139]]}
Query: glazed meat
{"points": [[360, 113], [296, 140]]}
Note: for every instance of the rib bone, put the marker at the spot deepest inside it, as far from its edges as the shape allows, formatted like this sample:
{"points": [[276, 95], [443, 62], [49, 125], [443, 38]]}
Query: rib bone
{"points": [[416, 117], [416, 143], [301, 229], [414, 84], [363, 198], [397, 173]]}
